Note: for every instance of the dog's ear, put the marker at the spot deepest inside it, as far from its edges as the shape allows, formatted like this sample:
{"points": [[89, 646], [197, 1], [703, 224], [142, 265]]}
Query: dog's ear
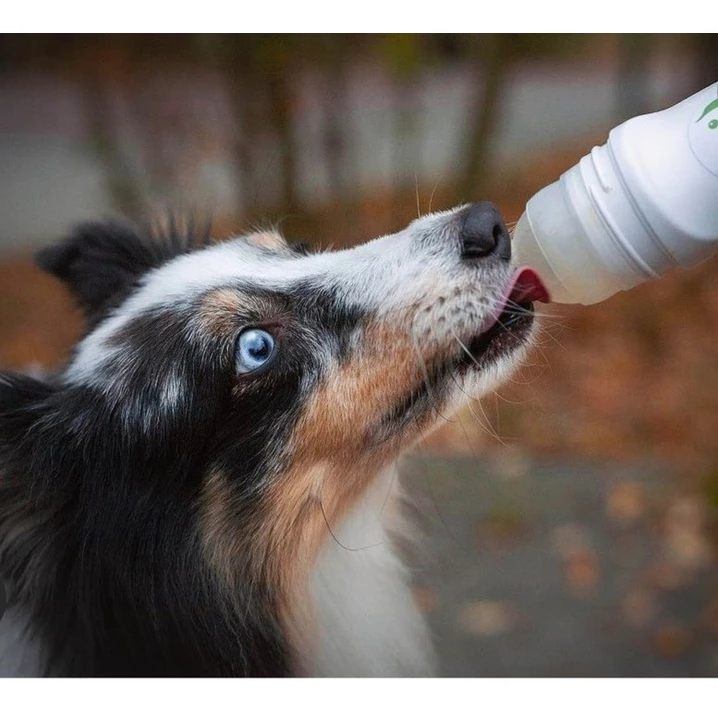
{"points": [[101, 262]]}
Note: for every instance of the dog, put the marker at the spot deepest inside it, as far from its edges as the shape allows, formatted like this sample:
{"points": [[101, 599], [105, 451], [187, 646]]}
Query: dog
{"points": [[209, 487]]}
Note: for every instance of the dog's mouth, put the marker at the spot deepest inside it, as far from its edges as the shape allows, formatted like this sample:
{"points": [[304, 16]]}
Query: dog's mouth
{"points": [[510, 322], [506, 329]]}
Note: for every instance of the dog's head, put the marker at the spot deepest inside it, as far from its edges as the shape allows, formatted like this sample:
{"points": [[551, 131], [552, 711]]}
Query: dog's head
{"points": [[367, 347], [259, 388]]}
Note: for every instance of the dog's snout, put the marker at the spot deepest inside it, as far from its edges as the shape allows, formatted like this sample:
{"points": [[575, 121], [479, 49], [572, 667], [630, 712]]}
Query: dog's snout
{"points": [[484, 233]]}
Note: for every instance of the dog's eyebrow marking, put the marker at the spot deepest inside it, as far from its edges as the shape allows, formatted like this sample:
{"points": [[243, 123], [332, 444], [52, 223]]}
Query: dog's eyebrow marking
{"points": [[220, 310]]}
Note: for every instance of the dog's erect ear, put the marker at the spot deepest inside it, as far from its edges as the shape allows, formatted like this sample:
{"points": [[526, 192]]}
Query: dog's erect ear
{"points": [[102, 261]]}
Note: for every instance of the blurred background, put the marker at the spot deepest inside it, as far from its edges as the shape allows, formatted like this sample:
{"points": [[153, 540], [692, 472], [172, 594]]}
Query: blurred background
{"points": [[570, 518]]}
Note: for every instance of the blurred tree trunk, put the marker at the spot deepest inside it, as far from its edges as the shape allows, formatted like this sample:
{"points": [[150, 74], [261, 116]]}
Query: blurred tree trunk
{"points": [[239, 70], [155, 127], [98, 69], [634, 56], [336, 112], [407, 56], [491, 62], [405, 150], [706, 72], [279, 89], [256, 70]]}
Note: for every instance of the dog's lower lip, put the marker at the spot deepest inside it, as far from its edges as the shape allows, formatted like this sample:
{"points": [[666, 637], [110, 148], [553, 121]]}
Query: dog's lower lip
{"points": [[505, 325]]}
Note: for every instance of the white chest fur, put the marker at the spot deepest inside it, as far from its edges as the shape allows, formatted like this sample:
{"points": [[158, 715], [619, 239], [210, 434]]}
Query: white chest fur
{"points": [[368, 622]]}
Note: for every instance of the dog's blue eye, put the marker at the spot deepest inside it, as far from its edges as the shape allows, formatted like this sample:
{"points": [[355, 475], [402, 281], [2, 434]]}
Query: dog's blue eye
{"points": [[254, 349]]}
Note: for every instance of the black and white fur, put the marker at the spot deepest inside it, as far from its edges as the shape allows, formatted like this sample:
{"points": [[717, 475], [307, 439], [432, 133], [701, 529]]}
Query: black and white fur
{"points": [[162, 514]]}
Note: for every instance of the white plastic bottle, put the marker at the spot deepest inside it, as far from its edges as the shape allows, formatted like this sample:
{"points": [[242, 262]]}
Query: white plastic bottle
{"points": [[631, 210]]}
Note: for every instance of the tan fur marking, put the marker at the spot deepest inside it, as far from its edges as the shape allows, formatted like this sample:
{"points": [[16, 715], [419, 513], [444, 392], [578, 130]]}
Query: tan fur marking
{"points": [[221, 310], [269, 240], [332, 464], [222, 539]]}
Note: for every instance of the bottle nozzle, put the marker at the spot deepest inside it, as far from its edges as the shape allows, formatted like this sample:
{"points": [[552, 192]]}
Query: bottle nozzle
{"points": [[526, 251], [626, 213]]}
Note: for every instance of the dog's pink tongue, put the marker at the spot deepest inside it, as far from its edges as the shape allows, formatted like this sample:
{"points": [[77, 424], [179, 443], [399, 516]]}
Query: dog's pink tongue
{"points": [[528, 287]]}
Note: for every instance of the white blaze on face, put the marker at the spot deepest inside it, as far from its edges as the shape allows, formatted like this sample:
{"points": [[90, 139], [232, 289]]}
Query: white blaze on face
{"points": [[415, 273]]}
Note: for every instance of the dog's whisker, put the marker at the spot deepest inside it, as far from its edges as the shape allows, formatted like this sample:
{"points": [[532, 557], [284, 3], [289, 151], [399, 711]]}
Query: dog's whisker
{"points": [[433, 189], [416, 187], [427, 381], [486, 426], [339, 543]]}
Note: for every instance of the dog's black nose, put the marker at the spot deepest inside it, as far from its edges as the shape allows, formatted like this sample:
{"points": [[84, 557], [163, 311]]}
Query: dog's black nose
{"points": [[483, 232]]}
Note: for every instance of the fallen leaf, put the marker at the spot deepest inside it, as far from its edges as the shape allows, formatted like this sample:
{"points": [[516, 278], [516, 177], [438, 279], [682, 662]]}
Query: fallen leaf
{"points": [[671, 641], [425, 599], [638, 608], [582, 573], [484, 618], [569, 540], [625, 502]]}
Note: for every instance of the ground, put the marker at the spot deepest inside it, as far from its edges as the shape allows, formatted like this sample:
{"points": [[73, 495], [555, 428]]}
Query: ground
{"points": [[564, 568]]}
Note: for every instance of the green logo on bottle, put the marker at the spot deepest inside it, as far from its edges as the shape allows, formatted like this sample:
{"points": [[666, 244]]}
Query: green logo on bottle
{"points": [[710, 107], [703, 133]]}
